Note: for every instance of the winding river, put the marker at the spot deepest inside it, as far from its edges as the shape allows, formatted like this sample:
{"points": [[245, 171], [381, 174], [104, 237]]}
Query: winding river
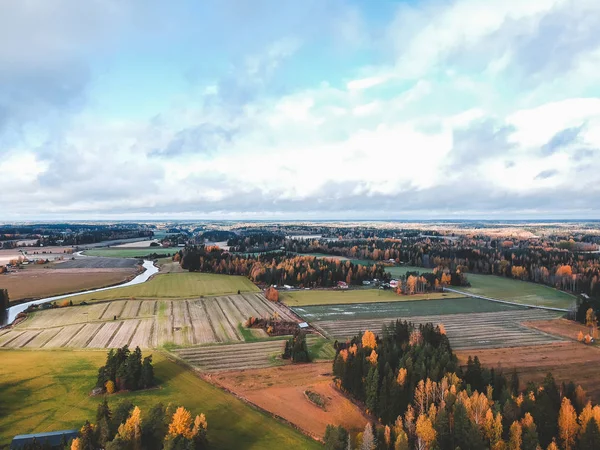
{"points": [[151, 269]]}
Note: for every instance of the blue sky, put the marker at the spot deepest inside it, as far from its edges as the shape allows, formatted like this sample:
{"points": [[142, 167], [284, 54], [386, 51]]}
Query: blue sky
{"points": [[316, 109]]}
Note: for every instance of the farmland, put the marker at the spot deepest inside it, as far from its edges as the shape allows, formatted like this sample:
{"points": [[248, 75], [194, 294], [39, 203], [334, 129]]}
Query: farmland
{"points": [[337, 297], [97, 263], [144, 323], [518, 291], [568, 361], [176, 285], [400, 309], [475, 330], [48, 390], [265, 353], [280, 390], [33, 283], [121, 252]]}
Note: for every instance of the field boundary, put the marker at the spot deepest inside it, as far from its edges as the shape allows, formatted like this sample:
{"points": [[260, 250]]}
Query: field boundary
{"points": [[468, 294]]}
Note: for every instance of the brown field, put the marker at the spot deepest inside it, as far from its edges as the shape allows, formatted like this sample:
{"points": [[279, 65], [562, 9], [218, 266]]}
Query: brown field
{"points": [[147, 323], [568, 361], [34, 283], [560, 327], [280, 390]]}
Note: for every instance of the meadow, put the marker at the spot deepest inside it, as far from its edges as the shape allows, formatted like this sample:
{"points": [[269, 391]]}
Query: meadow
{"points": [[176, 285], [517, 291], [49, 390], [123, 252], [339, 297]]}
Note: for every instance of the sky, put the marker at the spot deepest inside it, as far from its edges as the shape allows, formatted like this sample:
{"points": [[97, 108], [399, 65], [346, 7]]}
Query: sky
{"points": [[319, 109]]}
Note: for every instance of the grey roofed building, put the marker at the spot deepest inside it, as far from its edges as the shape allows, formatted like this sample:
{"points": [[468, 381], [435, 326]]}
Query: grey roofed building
{"points": [[54, 439]]}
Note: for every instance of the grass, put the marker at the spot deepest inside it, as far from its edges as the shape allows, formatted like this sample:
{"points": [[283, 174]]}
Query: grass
{"points": [[321, 349], [400, 309], [337, 297], [400, 271], [176, 285], [48, 390], [517, 291], [130, 252]]}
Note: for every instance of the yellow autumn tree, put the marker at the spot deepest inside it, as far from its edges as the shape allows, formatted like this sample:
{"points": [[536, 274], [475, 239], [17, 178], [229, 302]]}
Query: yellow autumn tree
{"points": [[368, 340], [75, 445], [552, 446], [442, 328], [567, 424], [181, 424], [425, 433], [580, 336], [515, 438], [110, 387], [372, 358], [402, 373], [131, 430]]}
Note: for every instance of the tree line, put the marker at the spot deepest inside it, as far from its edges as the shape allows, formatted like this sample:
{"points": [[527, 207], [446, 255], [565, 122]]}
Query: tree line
{"points": [[409, 380], [279, 268]]}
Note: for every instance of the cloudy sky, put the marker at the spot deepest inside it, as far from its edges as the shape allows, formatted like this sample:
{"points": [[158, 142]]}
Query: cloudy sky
{"points": [[299, 109]]}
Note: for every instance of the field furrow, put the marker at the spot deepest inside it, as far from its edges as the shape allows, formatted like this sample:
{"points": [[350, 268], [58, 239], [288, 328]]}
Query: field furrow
{"points": [[182, 327], [125, 333], [165, 323], [64, 335], [242, 306], [222, 326], [43, 338], [148, 308], [23, 339], [143, 334], [203, 332], [132, 308], [87, 333], [232, 313], [258, 308], [114, 310], [104, 335]]}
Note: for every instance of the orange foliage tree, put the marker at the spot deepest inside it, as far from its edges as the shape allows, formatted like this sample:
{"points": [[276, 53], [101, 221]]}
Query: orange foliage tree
{"points": [[272, 294], [368, 340], [567, 424]]}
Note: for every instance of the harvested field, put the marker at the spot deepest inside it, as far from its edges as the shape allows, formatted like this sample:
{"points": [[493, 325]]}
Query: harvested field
{"points": [[567, 361], [97, 263], [175, 285], [338, 297], [475, 330], [233, 357], [463, 305], [280, 390], [145, 323], [37, 283], [561, 327], [49, 390]]}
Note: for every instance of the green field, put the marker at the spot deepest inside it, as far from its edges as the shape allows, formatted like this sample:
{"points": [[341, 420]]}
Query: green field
{"points": [[502, 288], [400, 309], [113, 252], [48, 390], [176, 285], [517, 291], [337, 297]]}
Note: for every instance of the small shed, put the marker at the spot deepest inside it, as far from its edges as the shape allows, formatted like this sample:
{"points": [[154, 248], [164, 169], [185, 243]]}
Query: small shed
{"points": [[54, 439], [303, 325]]}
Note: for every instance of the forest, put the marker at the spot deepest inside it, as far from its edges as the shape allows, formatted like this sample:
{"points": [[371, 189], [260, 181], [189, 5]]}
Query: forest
{"points": [[279, 268], [409, 381]]}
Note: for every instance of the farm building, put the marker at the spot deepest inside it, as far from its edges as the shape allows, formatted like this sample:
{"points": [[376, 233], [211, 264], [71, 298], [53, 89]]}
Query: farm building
{"points": [[394, 283], [342, 285], [54, 439]]}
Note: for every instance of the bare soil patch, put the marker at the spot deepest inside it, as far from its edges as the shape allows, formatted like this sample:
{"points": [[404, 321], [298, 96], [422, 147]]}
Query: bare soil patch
{"points": [[567, 361], [40, 283], [559, 327], [50, 253], [280, 390]]}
